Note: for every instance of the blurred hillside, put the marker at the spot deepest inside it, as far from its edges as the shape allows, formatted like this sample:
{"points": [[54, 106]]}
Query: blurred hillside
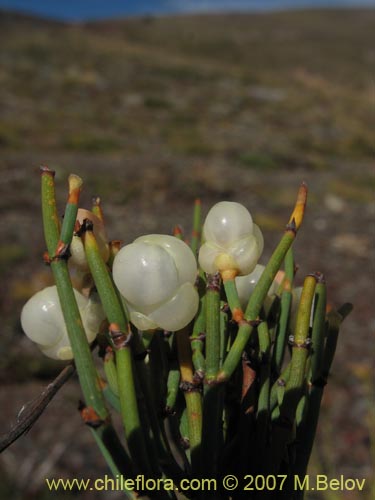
{"points": [[154, 112], [276, 90]]}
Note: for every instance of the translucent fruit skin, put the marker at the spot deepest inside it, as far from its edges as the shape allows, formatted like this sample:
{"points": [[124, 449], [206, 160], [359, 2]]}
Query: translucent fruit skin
{"points": [[155, 275], [42, 321], [78, 256], [231, 240], [245, 285]]}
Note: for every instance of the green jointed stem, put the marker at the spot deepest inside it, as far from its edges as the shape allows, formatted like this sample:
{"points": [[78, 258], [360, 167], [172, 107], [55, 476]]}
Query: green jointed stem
{"points": [[70, 215], [197, 339], [51, 223], [265, 380], [223, 332], [192, 396], [86, 370], [110, 370], [173, 384], [285, 305], [254, 306], [212, 327], [103, 281], [303, 403], [233, 299], [279, 384], [104, 434], [213, 395], [129, 409], [148, 376], [259, 294], [299, 350], [310, 424], [119, 328], [318, 328], [97, 208], [87, 373], [111, 397], [283, 426], [107, 440], [177, 233], [154, 389], [199, 330], [196, 233]]}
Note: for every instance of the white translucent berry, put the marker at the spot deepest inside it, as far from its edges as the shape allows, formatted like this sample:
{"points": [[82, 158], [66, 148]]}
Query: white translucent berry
{"points": [[42, 321], [155, 275], [78, 256], [231, 240], [245, 285]]}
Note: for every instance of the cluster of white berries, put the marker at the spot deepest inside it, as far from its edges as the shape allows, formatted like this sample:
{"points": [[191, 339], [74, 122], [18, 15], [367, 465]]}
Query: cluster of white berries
{"points": [[155, 276]]}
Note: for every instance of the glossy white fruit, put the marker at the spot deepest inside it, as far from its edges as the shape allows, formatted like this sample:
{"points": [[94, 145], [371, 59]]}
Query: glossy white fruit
{"points": [[245, 285], [42, 321], [155, 275], [231, 240]]}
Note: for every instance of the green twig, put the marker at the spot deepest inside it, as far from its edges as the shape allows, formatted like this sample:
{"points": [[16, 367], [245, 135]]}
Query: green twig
{"points": [[259, 294], [196, 233], [119, 331], [212, 437], [283, 426], [199, 331], [111, 448], [305, 446], [285, 305], [318, 327], [86, 370], [192, 395]]}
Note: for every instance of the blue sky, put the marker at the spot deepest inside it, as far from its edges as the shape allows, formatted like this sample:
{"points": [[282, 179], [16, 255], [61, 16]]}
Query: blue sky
{"points": [[76, 10]]}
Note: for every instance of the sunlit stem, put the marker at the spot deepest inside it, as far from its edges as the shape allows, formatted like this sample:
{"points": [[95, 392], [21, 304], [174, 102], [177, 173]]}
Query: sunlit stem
{"points": [[97, 208], [305, 445], [300, 350], [318, 327], [178, 233], [196, 233], [199, 330], [110, 370], [293, 390], [264, 382], [232, 294], [285, 305], [213, 394], [192, 396], [70, 215], [82, 355], [119, 331], [262, 287], [104, 433]]}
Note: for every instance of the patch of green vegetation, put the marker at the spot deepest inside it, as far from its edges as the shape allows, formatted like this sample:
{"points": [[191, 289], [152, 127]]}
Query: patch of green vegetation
{"points": [[90, 143], [257, 160], [156, 102]]}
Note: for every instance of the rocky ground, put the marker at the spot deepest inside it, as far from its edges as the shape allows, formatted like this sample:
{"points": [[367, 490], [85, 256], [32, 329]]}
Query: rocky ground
{"points": [[153, 113]]}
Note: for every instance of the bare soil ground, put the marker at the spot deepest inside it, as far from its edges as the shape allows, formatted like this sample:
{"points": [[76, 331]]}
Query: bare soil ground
{"points": [[153, 113]]}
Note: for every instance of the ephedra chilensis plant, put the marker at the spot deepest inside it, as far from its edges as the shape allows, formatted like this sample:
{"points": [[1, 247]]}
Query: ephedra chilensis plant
{"points": [[215, 363]]}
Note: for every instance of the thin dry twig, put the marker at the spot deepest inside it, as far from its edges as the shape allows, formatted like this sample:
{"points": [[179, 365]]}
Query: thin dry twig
{"points": [[30, 414]]}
